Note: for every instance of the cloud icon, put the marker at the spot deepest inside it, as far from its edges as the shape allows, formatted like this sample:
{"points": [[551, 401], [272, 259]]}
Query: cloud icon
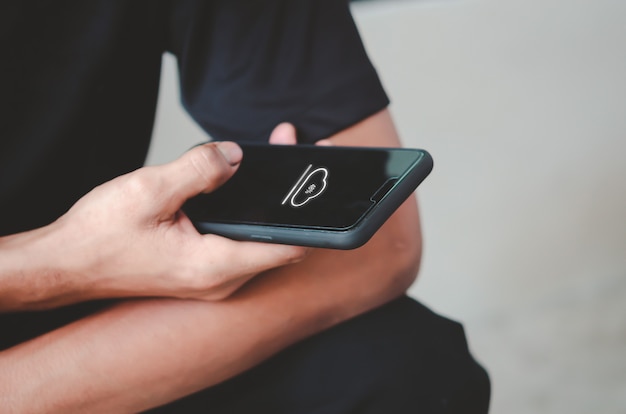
{"points": [[309, 186]]}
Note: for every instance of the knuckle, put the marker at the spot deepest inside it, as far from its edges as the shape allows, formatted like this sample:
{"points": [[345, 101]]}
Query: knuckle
{"points": [[206, 285], [140, 183], [204, 276], [195, 279], [295, 254]]}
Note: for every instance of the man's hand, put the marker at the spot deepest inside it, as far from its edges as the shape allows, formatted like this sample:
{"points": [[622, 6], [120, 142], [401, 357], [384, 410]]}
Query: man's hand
{"points": [[128, 238]]}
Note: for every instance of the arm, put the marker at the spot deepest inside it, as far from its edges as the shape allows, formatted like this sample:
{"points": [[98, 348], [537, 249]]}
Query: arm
{"points": [[163, 349], [127, 238]]}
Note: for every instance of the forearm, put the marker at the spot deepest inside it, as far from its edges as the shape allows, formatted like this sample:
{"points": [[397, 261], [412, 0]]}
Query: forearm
{"points": [[145, 353], [29, 275], [136, 355]]}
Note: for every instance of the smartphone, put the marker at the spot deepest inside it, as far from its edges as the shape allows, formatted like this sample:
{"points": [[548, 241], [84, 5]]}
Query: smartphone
{"points": [[319, 196]]}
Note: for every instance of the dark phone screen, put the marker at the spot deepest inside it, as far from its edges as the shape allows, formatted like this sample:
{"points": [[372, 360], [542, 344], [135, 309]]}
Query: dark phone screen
{"points": [[303, 186]]}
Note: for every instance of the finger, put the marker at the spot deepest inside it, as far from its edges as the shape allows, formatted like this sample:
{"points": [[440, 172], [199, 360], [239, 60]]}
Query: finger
{"points": [[283, 134], [241, 258], [201, 169]]}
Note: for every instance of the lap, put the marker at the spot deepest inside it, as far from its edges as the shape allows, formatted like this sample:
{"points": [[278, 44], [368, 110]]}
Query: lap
{"points": [[399, 358]]}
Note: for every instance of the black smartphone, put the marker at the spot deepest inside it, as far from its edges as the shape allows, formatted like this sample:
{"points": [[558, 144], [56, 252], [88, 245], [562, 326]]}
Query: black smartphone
{"points": [[331, 197]]}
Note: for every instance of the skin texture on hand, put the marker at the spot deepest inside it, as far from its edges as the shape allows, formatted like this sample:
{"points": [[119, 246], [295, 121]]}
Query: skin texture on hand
{"points": [[128, 238], [163, 349]]}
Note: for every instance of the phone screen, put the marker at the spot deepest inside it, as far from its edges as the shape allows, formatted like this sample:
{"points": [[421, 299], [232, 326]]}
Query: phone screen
{"points": [[303, 186]]}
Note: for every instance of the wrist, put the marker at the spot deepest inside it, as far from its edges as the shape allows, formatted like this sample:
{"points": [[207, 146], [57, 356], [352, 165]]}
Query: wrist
{"points": [[33, 273]]}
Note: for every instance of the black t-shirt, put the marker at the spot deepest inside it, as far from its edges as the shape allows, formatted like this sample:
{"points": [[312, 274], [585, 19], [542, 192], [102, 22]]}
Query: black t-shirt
{"points": [[79, 82]]}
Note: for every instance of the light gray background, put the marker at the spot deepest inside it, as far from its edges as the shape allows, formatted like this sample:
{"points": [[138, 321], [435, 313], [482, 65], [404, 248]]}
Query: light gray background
{"points": [[523, 105]]}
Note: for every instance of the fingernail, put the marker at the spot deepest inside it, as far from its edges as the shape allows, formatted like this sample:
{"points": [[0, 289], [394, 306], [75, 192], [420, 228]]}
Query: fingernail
{"points": [[231, 151]]}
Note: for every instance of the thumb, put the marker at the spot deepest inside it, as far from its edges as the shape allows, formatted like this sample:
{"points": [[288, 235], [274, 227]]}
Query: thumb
{"points": [[200, 170]]}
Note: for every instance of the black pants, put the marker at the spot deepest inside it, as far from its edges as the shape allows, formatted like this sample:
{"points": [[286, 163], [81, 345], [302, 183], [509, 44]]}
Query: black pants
{"points": [[400, 358]]}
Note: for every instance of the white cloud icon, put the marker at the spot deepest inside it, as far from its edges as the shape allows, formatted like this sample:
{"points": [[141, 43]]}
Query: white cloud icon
{"points": [[309, 186]]}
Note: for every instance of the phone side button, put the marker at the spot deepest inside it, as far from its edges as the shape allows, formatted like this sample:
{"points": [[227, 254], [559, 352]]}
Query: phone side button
{"points": [[383, 190], [260, 237]]}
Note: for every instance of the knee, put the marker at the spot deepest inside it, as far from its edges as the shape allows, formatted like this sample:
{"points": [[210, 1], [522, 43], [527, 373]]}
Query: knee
{"points": [[399, 358]]}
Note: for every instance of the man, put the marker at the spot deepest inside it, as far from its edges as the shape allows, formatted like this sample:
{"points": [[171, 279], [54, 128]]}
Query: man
{"points": [[112, 301]]}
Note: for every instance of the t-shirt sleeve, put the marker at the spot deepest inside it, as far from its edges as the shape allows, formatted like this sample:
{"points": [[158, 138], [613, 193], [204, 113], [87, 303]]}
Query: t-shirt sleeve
{"points": [[247, 65]]}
